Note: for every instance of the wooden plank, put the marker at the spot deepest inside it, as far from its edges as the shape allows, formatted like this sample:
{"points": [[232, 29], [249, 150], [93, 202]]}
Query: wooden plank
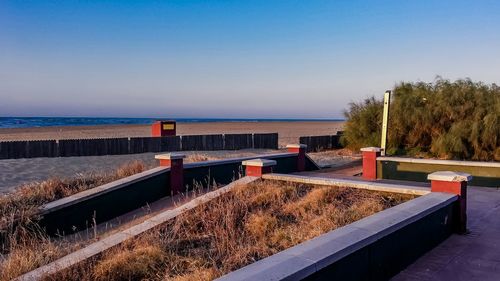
{"points": [[192, 143], [68, 148], [213, 142], [237, 141], [268, 141], [170, 143], [42, 148]]}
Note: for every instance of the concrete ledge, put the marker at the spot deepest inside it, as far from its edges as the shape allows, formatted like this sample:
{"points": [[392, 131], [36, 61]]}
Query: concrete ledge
{"points": [[449, 176], [296, 146], [318, 254], [371, 149], [115, 239], [170, 156], [441, 162], [100, 190], [259, 162], [376, 186]]}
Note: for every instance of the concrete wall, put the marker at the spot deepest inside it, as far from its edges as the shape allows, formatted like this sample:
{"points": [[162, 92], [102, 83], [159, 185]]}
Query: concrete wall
{"points": [[103, 203], [484, 173]]}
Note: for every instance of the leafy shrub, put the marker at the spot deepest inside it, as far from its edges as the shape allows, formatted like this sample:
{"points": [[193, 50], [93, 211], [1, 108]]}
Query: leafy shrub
{"points": [[364, 123], [453, 120]]}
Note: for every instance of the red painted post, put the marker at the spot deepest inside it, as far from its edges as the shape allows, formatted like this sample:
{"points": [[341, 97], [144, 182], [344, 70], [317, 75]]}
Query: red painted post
{"points": [[176, 163], [258, 167], [301, 158], [455, 183], [370, 155]]}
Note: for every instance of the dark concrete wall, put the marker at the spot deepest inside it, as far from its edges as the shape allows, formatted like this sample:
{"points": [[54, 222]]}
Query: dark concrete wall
{"points": [[482, 176], [106, 206]]}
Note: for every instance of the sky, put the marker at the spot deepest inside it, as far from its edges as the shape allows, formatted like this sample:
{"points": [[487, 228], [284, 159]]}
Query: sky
{"points": [[233, 59]]}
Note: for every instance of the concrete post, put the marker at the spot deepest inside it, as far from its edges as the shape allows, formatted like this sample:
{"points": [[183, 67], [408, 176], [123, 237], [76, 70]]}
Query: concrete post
{"points": [[258, 167], [370, 155], [455, 183], [301, 157], [176, 163]]}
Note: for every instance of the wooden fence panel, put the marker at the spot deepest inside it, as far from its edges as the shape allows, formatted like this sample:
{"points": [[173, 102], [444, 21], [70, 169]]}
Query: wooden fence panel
{"points": [[145, 144], [213, 142], [192, 143], [68, 148], [238, 141], [14, 150], [4, 153], [336, 141], [42, 148], [136, 145], [171, 143], [319, 143], [117, 146], [268, 141], [153, 144], [92, 147]]}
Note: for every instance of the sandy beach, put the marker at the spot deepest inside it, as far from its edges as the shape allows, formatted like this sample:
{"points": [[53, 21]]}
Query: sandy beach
{"points": [[14, 172], [289, 132]]}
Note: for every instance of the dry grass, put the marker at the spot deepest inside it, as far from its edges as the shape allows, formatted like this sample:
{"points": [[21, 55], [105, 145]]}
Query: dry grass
{"points": [[24, 246], [23, 203], [334, 157], [236, 229], [199, 157]]}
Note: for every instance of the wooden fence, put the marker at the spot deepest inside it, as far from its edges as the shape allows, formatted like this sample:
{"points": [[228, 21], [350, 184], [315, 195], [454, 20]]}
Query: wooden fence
{"points": [[116, 146], [319, 143]]}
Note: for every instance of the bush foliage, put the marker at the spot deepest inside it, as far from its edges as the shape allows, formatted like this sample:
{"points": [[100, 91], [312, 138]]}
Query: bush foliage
{"points": [[451, 120]]}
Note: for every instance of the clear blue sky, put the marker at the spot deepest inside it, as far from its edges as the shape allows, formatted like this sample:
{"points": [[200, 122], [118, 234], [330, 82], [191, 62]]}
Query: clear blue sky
{"points": [[233, 58]]}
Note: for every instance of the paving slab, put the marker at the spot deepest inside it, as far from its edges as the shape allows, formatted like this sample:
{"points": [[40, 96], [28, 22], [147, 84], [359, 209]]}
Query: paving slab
{"points": [[474, 256]]}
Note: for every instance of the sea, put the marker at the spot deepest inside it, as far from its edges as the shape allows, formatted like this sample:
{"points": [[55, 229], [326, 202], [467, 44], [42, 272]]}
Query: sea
{"points": [[30, 122]]}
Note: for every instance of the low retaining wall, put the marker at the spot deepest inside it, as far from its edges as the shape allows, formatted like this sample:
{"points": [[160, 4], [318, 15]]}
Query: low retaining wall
{"points": [[100, 204], [374, 248], [225, 171], [117, 146], [411, 169]]}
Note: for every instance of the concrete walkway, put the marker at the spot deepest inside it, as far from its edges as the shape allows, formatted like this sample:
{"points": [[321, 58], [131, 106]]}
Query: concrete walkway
{"points": [[475, 256]]}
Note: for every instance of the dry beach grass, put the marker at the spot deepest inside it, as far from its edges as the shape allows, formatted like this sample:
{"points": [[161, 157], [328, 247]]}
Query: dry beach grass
{"points": [[28, 247], [236, 229]]}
